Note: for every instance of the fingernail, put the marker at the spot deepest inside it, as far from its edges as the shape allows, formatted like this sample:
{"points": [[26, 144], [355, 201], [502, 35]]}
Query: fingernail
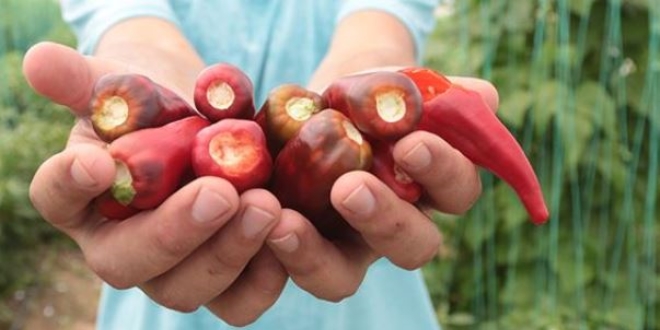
{"points": [[255, 220], [81, 175], [288, 243], [418, 158], [360, 201], [209, 206]]}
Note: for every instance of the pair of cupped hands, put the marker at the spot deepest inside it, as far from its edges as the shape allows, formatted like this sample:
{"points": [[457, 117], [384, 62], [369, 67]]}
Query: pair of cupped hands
{"points": [[233, 254]]}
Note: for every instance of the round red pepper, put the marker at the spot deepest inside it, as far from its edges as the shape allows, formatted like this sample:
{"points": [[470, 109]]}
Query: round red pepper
{"points": [[385, 168], [233, 149], [152, 162], [287, 108], [383, 105], [224, 91], [327, 146], [110, 208], [123, 103]]}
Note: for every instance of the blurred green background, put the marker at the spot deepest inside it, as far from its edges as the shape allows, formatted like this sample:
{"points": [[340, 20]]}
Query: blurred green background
{"points": [[579, 85]]}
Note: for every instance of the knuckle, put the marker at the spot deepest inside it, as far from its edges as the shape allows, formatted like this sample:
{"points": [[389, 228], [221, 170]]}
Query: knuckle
{"points": [[419, 261], [421, 258], [102, 266], [34, 193], [339, 294], [308, 267], [236, 314], [269, 286], [226, 260], [391, 230], [171, 300], [43, 196], [469, 197], [236, 319], [168, 243]]}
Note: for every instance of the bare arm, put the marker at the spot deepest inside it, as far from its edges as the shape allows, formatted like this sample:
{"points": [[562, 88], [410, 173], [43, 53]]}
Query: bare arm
{"points": [[362, 41], [154, 47]]}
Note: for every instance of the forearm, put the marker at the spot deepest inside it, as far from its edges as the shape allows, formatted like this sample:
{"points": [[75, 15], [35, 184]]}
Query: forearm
{"points": [[156, 48], [362, 41]]}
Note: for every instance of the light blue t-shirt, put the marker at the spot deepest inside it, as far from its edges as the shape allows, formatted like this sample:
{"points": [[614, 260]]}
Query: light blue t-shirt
{"points": [[274, 42]]}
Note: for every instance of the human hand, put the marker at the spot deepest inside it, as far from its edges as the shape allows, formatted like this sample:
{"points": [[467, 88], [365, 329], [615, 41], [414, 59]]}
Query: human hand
{"points": [[386, 225], [201, 247]]}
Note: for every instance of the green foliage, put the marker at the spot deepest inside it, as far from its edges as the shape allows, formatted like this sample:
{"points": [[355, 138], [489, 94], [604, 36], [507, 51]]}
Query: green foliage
{"points": [[31, 130], [579, 85]]}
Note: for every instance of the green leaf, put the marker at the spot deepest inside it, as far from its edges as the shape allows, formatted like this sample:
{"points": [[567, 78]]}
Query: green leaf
{"points": [[519, 16], [509, 207], [594, 104], [521, 292], [477, 230], [580, 7], [461, 320], [571, 274], [480, 224], [576, 132], [545, 104], [514, 107]]}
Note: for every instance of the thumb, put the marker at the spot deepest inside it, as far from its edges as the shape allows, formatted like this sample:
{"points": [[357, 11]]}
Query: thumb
{"points": [[63, 75]]}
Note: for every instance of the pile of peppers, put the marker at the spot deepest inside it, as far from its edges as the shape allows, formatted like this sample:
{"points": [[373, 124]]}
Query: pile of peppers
{"points": [[298, 143]]}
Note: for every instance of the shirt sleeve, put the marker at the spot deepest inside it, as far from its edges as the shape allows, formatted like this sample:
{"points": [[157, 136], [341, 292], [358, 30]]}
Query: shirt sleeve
{"points": [[89, 19], [416, 15]]}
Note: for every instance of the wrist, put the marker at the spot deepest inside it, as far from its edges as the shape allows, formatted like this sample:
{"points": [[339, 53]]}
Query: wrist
{"points": [[158, 50], [374, 60]]}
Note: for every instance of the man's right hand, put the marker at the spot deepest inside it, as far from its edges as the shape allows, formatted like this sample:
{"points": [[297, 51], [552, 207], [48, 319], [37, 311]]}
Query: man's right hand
{"points": [[204, 246]]}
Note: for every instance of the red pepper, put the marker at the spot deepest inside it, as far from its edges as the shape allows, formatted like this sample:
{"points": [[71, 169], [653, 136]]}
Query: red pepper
{"points": [[429, 82], [383, 105], [327, 146], [260, 119], [233, 149], [123, 103], [110, 208], [287, 108], [224, 91], [462, 118], [385, 168], [152, 162]]}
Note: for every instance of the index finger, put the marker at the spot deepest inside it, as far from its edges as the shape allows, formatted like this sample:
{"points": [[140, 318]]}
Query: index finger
{"points": [[65, 184], [485, 88]]}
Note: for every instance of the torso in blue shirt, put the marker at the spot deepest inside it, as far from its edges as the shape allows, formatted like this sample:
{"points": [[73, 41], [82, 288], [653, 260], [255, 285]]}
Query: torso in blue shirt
{"points": [[273, 41]]}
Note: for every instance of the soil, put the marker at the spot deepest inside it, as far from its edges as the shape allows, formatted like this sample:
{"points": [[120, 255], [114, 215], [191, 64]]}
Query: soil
{"points": [[67, 301]]}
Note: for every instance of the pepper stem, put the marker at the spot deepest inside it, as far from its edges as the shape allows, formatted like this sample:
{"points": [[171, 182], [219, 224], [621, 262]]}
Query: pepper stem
{"points": [[391, 106], [122, 188], [300, 108], [220, 95], [234, 152], [114, 112], [352, 132]]}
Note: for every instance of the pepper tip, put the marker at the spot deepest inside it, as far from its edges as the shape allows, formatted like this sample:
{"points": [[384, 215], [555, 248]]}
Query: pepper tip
{"points": [[541, 217]]}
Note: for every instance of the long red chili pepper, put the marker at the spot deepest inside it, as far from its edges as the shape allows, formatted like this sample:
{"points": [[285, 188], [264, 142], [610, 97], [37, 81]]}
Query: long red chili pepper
{"points": [[462, 118]]}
